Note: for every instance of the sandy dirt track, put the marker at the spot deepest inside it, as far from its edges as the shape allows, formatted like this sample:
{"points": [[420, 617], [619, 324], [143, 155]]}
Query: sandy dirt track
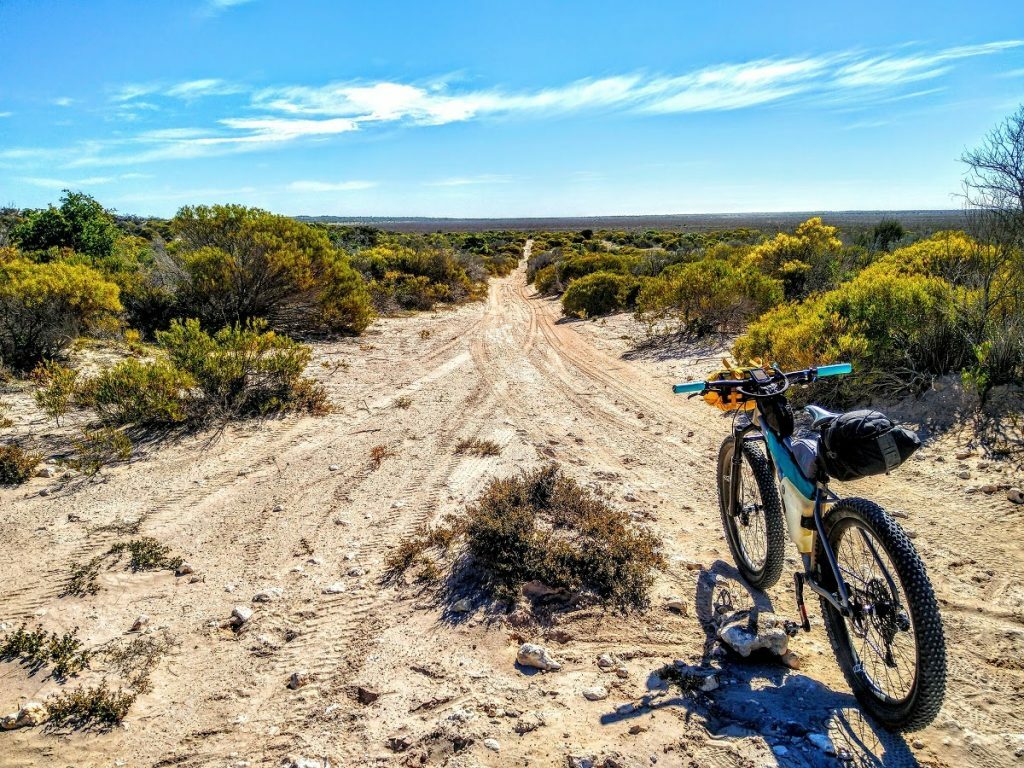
{"points": [[260, 506]]}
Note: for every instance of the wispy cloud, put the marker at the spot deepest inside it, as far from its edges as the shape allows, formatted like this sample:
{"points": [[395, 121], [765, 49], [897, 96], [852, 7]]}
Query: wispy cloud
{"points": [[329, 186], [91, 181], [466, 181], [63, 101], [6, 114], [281, 115]]}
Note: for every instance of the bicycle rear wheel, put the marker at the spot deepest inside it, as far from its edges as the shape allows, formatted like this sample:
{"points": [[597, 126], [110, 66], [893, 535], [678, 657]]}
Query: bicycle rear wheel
{"points": [[891, 649], [754, 525]]}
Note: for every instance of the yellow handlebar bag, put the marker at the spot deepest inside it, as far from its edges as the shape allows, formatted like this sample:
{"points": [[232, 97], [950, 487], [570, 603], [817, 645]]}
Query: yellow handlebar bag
{"points": [[733, 401]]}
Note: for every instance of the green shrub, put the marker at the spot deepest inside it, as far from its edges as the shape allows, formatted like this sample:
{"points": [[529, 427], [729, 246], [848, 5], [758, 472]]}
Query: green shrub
{"points": [[707, 295], [43, 307], [546, 280], [80, 224], [38, 648], [151, 393], [16, 464], [235, 264], [576, 267], [598, 293], [145, 554], [96, 448], [243, 370], [89, 707], [57, 388]]}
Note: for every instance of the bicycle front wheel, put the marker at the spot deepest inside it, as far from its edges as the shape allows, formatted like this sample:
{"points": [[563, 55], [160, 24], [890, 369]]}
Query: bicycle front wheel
{"points": [[754, 524], [891, 648]]}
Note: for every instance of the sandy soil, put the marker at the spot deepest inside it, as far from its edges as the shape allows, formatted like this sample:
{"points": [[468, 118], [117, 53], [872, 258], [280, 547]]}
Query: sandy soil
{"points": [[260, 506]]}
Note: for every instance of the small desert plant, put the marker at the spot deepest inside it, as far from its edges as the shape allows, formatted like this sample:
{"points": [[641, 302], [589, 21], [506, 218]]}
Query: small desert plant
{"points": [[403, 402], [425, 334], [133, 340], [57, 387], [96, 448], [145, 554], [83, 579], [16, 464], [543, 526], [38, 648], [134, 660], [87, 707], [478, 447], [380, 452]]}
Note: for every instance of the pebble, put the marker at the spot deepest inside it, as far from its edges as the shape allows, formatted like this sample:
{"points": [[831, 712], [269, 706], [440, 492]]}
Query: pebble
{"points": [[780, 750], [595, 693], [46, 471], [989, 489], [537, 656], [462, 606], [607, 662], [366, 695], [964, 455], [1016, 495], [268, 595], [240, 614], [529, 722], [769, 633], [44, 492], [791, 660], [140, 623], [677, 604], [355, 572], [279, 507], [965, 475], [30, 714], [184, 569], [822, 742], [334, 589], [299, 679], [333, 468], [492, 744]]}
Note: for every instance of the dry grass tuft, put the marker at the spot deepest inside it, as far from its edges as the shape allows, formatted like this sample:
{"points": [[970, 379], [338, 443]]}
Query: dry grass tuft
{"points": [[135, 660], [380, 452], [403, 402], [478, 447]]}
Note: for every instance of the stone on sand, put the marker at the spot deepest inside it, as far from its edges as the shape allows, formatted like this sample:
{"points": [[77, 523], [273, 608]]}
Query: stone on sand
{"points": [[536, 656]]}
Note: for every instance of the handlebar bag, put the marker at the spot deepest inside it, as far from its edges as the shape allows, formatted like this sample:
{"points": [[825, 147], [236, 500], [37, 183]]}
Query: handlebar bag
{"points": [[863, 443]]}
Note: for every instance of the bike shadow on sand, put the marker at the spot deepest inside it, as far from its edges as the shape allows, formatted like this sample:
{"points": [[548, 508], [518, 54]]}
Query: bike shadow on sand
{"points": [[759, 697]]}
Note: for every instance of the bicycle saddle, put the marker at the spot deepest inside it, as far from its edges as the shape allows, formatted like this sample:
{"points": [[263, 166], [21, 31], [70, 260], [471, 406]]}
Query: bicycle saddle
{"points": [[819, 416]]}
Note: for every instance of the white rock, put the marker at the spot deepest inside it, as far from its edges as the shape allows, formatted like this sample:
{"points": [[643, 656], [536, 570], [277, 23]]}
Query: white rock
{"points": [[607, 662], [678, 604], [493, 745], [140, 623], [30, 714], [241, 614], [537, 656], [770, 633], [268, 595], [334, 589], [46, 471], [184, 569], [581, 761], [356, 572], [822, 742], [307, 762], [595, 693], [1016, 495], [279, 507], [462, 606], [531, 721], [333, 468]]}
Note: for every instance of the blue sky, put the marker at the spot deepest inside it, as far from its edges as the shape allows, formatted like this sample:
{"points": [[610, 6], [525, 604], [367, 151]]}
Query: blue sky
{"points": [[501, 109]]}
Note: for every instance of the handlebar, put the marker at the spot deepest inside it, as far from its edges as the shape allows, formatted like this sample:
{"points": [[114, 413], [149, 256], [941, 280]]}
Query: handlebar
{"points": [[805, 376]]}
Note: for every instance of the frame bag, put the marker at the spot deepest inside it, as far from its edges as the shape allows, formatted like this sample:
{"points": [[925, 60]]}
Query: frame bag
{"points": [[862, 443]]}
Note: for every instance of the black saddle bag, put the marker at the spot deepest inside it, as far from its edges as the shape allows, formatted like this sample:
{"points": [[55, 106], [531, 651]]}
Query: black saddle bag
{"points": [[863, 443]]}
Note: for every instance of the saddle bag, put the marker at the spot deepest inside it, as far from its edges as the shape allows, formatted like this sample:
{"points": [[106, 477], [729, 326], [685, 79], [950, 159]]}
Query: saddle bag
{"points": [[863, 443]]}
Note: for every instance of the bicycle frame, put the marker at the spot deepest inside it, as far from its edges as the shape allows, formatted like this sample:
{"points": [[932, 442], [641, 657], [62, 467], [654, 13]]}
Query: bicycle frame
{"points": [[784, 467]]}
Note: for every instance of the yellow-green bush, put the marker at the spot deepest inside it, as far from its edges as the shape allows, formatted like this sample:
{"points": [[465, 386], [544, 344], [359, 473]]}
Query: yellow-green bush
{"points": [[44, 306], [576, 267], [16, 464], [706, 295], [413, 278], [154, 393], [880, 319], [96, 448], [599, 293], [242, 370], [235, 264], [546, 280], [805, 261]]}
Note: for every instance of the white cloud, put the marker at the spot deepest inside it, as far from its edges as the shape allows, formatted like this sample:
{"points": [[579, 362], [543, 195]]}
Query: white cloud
{"points": [[211, 86], [63, 101], [329, 186], [895, 70], [465, 181], [270, 129], [91, 181], [6, 114]]}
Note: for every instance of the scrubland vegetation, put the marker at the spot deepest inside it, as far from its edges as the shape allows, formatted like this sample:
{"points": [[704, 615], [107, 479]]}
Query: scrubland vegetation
{"points": [[903, 306], [211, 307]]}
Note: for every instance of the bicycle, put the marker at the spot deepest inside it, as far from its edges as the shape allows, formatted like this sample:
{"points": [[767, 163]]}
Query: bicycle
{"points": [[878, 606]]}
